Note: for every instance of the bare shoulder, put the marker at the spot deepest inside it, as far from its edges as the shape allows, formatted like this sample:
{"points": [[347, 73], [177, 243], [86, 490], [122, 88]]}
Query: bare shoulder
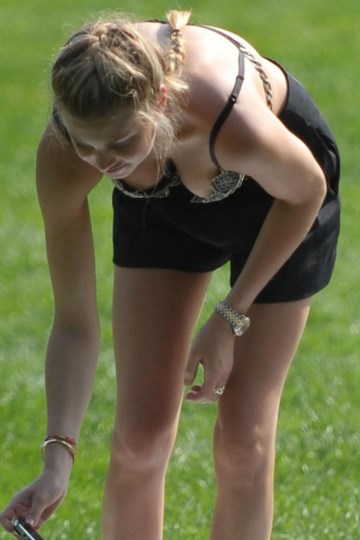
{"points": [[205, 51], [211, 67], [63, 179]]}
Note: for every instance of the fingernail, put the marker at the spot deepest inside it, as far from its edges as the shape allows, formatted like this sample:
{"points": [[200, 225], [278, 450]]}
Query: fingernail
{"points": [[30, 521]]}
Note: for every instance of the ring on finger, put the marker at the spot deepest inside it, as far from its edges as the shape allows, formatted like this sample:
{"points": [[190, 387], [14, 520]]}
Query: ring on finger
{"points": [[219, 390]]}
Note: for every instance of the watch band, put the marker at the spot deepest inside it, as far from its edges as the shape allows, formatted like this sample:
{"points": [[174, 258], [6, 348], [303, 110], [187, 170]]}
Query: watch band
{"points": [[238, 322]]}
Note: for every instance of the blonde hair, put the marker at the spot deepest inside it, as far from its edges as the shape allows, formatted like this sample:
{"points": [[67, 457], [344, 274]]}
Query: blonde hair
{"points": [[108, 65]]}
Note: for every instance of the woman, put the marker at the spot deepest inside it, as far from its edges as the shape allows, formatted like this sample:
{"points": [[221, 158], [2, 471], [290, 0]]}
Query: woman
{"points": [[217, 155]]}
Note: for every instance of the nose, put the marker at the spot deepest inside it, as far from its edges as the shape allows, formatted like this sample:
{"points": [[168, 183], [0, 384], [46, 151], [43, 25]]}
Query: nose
{"points": [[103, 161]]}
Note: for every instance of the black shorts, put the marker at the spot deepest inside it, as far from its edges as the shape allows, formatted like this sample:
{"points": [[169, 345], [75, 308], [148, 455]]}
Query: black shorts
{"points": [[173, 232]]}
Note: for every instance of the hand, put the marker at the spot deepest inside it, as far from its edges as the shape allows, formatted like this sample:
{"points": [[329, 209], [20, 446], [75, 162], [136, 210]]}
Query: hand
{"points": [[36, 502], [214, 349]]}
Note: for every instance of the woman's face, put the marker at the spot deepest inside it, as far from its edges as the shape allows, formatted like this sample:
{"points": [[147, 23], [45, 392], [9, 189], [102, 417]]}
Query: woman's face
{"points": [[114, 145]]}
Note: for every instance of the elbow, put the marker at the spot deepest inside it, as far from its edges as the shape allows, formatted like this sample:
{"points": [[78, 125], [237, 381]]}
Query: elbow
{"points": [[79, 342], [313, 192], [86, 328], [319, 188]]}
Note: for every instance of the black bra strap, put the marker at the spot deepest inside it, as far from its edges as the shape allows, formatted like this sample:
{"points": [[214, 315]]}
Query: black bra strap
{"points": [[227, 109]]}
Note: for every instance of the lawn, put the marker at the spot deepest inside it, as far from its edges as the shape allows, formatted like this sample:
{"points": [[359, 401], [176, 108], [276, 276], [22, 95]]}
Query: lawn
{"points": [[317, 488]]}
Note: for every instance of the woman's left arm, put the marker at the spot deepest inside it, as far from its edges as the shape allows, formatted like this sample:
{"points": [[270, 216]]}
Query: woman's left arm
{"points": [[261, 147], [284, 166]]}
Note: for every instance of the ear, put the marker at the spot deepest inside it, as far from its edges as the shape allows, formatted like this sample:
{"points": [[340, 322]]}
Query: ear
{"points": [[162, 99]]}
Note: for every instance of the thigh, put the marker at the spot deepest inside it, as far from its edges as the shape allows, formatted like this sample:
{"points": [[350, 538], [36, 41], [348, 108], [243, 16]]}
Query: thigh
{"points": [[154, 313], [262, 360]]}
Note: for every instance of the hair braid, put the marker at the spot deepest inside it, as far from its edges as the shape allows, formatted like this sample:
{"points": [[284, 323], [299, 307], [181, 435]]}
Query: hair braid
{"points": [[105, 65], [108, 65], [176, 53]]}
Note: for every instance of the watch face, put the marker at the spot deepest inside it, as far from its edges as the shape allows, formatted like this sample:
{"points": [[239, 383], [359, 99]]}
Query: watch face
{"points": [[238, 322], [241, 328]]}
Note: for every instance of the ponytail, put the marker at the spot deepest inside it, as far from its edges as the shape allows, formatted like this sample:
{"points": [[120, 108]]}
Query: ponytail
{"points": [[176, 53]]}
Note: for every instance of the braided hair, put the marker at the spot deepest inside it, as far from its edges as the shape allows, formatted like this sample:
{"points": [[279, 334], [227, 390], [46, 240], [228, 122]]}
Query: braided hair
{"points": [[176, 53], [108, 65]]}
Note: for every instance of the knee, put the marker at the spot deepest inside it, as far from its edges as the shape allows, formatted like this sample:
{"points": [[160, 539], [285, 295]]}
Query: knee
{"points": [[244, 457], [140, 448]]}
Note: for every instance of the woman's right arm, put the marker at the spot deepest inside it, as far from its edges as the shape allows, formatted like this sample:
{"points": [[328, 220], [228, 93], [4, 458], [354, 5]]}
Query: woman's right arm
{"points": [[63, 184]]}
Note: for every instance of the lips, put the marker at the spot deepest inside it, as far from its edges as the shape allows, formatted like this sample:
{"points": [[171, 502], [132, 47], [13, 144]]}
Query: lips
{"points": [[113, 169], [116, 171]]}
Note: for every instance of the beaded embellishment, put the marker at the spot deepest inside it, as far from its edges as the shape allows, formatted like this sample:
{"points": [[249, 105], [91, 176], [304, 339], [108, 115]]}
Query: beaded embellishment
{"points": [[155, 194], [222, 186]]}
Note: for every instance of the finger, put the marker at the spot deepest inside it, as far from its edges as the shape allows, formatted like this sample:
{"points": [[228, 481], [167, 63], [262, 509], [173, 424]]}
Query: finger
{"points": [[212, 379], [49, 511], [193, 393], [6, 523], [197, 395], [192, 367], [15, 509], [219, 390], [206, 393], [202, 394], [37, 508]]}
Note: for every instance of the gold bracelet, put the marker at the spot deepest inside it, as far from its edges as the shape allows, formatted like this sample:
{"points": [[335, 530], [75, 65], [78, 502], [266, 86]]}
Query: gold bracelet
{"points": [[68, 442]]}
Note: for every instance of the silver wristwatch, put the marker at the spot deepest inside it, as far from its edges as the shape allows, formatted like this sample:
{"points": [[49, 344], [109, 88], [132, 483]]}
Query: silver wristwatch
{"points": [[238, 322]]}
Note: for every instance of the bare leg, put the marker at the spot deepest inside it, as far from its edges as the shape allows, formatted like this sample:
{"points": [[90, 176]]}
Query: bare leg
{"points": [[244, 440], [154, 315]]}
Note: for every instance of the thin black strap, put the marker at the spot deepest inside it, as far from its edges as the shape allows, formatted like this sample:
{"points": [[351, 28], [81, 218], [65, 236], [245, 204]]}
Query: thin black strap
{"points": [[243, 52], [253, 59], [227, 109]]}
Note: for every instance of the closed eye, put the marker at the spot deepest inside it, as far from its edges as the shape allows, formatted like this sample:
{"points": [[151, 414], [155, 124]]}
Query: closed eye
{"points": [[82, 146], [123, 143], [119, 145]]}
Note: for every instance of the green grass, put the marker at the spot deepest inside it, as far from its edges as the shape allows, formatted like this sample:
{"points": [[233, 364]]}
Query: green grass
{"points": [[317, 493]]}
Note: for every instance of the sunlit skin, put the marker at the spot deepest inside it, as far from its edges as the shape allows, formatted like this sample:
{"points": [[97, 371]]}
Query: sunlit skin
{"points": [[117, 144], [159, 291]]}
